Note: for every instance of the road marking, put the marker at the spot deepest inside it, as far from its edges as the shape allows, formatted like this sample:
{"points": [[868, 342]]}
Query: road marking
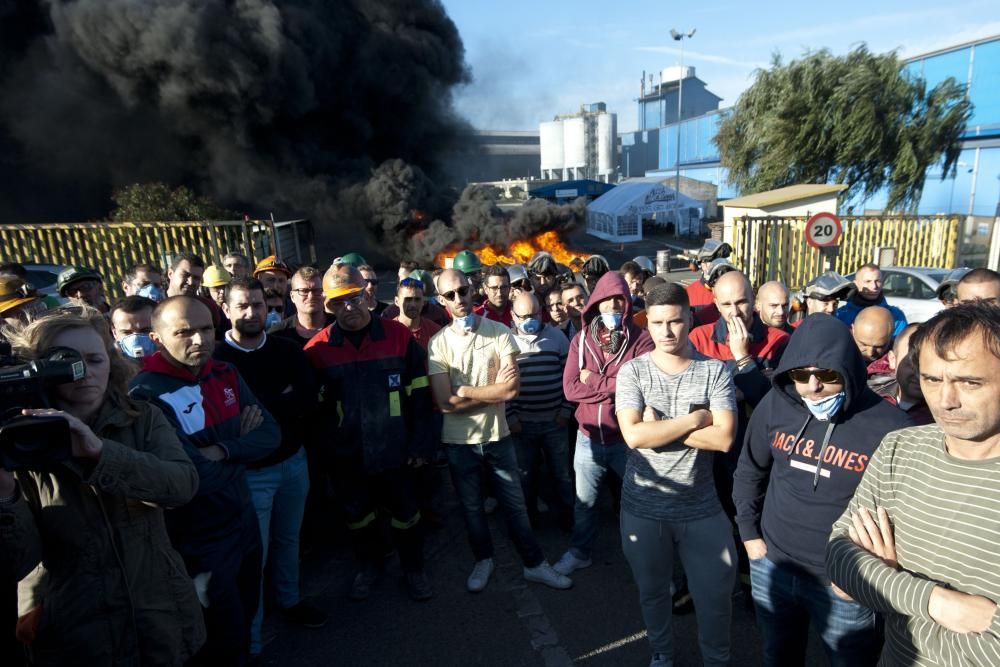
{"points": [[612, 646]]}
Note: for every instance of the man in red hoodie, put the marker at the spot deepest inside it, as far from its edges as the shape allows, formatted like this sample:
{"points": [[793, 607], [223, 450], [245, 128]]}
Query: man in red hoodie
{"points": [[608, 339]]}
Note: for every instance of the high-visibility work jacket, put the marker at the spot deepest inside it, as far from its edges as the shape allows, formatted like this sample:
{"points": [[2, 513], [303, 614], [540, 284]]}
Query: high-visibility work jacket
{"points": [[376, 396]]}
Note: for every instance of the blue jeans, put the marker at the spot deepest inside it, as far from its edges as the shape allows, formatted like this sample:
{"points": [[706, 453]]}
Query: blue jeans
{"points": [[550, 438], [279, 496], [788, 598], [466, 465], [591, 462]]}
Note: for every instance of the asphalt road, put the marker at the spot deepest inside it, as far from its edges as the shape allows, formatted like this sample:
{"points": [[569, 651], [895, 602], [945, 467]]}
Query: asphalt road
{"points": [[596, 623]]}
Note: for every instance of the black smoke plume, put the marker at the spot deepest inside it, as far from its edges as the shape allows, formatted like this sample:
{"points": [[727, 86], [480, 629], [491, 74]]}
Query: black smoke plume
{"points": [[338, 110]]}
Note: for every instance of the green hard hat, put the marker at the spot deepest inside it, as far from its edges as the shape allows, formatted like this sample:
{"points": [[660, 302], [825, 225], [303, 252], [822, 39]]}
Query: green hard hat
{"points": [[467, 262], [425, 278], [353, 258]]}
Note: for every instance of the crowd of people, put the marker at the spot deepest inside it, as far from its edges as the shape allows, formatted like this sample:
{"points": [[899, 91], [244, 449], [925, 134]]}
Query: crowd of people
{"points": [[817, 452]]}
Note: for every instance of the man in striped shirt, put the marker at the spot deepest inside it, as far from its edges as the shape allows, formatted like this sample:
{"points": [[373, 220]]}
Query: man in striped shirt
{"points": [[539, 415], [919, 541]]}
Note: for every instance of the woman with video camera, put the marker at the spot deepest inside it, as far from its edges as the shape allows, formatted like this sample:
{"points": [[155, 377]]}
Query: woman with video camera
{"points": [[108, 587]]}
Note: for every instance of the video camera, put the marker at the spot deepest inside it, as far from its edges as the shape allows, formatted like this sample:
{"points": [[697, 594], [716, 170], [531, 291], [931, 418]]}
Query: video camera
{"points": [[34, 443]]}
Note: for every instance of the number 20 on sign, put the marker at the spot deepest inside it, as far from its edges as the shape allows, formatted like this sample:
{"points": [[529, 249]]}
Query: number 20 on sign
{"points": [[823, 230]]}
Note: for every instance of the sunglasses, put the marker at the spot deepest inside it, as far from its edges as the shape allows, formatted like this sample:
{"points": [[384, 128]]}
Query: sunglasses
{"points": [[462, 292], [412, 282], [371, 281], [824, 375], [522, 285]]}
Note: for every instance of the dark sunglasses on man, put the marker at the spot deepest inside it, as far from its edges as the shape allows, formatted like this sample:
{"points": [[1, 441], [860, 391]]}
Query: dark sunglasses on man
{"points": [[462, 292], [522, 285], [824, 375]]}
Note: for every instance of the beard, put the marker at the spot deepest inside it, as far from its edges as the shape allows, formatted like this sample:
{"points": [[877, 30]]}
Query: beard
{"points": [[249, 327]]}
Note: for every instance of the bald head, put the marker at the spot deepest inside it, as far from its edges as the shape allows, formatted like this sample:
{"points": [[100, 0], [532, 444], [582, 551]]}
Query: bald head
{"points": [[525, 304], [772, 304], [979, 285], [183, 328], [901, 346], [455, 293], [872, 332], [734, 297]]}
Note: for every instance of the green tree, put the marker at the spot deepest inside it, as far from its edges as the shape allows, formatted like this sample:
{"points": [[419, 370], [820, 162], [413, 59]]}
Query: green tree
{"points": [[857, 119], [157, 202]]}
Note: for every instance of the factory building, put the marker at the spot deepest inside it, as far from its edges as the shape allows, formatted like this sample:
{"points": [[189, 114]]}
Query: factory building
{"points": [[581, 145], [973, 191]]}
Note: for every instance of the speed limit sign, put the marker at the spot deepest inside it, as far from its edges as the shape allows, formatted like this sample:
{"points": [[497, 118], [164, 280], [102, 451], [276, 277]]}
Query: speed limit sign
{"points": [[823, 230]]}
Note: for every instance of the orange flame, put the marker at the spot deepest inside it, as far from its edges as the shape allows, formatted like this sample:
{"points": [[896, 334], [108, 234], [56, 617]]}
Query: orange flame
{"points": [[520, 251]]}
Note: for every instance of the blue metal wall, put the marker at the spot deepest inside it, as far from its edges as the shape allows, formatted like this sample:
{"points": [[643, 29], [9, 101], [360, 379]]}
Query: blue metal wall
{"points": [[974, 189]]}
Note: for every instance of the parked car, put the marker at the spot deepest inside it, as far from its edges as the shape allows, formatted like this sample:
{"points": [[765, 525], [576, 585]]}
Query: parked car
{"points": [[913, 290], [43, 278]]}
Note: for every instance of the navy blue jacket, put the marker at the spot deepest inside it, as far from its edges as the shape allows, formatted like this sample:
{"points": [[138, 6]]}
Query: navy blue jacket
{"points": [[796, 474], [206, 409]]}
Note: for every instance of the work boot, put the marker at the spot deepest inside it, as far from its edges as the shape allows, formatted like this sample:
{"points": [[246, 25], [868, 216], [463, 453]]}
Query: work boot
{"points": [[363, 580], [306, 615], [418, 586]]}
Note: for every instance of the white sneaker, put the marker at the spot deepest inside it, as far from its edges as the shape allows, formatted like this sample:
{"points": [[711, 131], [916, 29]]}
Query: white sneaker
{"points": [[568, 563], [480, 575], [490, 505], [544, 574]]}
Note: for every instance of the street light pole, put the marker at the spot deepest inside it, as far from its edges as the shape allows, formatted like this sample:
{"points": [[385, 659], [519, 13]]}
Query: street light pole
{"points": [[679, 37]]}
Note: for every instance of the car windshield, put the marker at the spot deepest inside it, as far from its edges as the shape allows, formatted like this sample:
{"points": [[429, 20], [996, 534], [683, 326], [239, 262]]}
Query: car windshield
{"points": [[42, 279], [938, 276]]}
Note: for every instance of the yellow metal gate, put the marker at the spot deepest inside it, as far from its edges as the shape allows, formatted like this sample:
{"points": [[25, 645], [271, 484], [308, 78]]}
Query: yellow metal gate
{"points": [[110, 247], [771, 248]]}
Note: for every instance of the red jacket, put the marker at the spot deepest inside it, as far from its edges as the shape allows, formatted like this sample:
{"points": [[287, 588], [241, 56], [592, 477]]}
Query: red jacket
{"points": [[485, 310], [702, 303], [595, 398], [766, 346]]}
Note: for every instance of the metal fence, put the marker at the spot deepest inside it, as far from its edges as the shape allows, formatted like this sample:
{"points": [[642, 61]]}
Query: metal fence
{"points": [[110, 247], [770, 248]]}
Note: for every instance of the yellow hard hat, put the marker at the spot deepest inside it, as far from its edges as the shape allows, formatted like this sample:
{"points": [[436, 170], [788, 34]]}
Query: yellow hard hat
{"points": [[216, 276]]}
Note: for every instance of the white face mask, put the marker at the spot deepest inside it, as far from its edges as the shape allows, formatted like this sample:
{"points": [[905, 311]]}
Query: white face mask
{"points": [[826, 408], [465, 323]]}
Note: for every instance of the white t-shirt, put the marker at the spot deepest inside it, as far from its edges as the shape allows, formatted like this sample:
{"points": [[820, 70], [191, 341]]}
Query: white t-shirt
{"points": [[472, 360]]}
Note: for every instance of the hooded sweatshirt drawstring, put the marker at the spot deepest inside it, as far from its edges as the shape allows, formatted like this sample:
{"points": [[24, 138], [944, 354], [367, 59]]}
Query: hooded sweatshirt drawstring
{"points": [[822, 450], [799, 435]]}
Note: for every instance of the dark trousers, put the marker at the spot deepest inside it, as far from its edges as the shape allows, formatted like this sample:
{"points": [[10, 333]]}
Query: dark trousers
{"points": [[466, 464], [364, 494], [232, 593]]}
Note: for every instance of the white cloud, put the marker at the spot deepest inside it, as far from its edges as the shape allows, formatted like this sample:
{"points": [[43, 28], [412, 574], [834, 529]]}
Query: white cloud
{"points": [[705, 57]]}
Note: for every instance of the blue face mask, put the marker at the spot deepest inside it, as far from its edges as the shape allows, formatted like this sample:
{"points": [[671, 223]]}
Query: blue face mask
{"points": [[465, 323], [137, 345], [530, 326], [151, 291], [611, 320], [273, 317], [826, 408]]}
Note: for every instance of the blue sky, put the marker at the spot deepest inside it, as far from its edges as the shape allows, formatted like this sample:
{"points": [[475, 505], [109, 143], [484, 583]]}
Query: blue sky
{"points": [[531, 60]]}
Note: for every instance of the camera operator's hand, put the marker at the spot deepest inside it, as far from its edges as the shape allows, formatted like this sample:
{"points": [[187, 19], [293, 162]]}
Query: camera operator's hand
{"points": [[213, 453], [85, 444], [250, 418]]}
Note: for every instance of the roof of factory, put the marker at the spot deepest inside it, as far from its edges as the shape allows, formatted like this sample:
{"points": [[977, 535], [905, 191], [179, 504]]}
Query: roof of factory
{"points": [[561, 190]]}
